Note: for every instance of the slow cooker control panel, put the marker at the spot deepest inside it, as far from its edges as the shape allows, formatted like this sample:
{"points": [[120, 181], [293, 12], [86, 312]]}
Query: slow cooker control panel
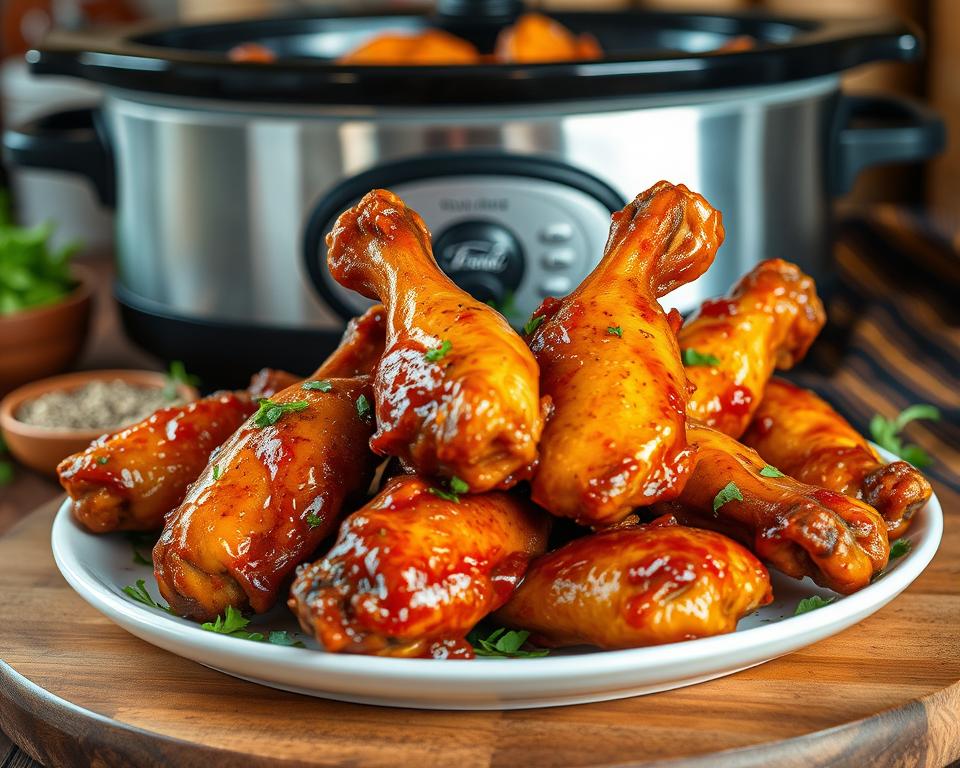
{"points": [[507, 240]]}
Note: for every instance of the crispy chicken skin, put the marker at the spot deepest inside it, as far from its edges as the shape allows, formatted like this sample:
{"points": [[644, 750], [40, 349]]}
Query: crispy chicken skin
{"points": [[128, 480], [802, 435], [799, 529], [609, 360], [456, 389], [265, 502], [411, 573], [768, 321], [637, 586], [535, 38], [430, 47]]}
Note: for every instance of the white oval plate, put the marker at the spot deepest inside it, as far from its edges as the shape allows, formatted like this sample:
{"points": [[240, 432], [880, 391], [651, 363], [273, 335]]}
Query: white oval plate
{"points": [[98, 567]]}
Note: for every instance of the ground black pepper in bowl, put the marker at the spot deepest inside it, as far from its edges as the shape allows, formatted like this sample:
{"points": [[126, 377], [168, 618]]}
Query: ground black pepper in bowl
{"points": [[107, 405]]}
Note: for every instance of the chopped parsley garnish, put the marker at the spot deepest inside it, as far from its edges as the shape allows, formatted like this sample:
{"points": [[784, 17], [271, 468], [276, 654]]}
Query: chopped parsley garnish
{"points": [[456, 486], [729, 492], [899, 548], [432, 355], [140, 541], [445, 495], [269, 412], [532, 324], [615, 330], [811, 604], [314, 520], [771, 471], [504, 643], [282, 637], [101, 460], [507, 307], [317, 386], [886, 433], [232, 623], [363, 408], [140, 594], [692, 357], [176, 376], [216, 471]]}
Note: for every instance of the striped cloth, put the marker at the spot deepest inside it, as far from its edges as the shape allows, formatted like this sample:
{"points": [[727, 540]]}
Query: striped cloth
{"points": [[893, 337]]}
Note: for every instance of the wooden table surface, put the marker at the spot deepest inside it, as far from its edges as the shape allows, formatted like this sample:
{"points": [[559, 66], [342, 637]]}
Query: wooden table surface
{"points": [[831, 696]]}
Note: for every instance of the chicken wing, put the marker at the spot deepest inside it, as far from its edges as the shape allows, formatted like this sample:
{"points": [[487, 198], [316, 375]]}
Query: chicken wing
{"points": [[456, 390], [637, 586], [803, 436], [732, 345], [609, 360], [411, 572], [535, 38], [801, 530], [268, 498], [128, 480], [429, 47]]}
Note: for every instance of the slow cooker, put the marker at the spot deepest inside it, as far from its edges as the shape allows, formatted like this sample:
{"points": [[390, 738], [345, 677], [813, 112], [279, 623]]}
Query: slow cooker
{"points": [[226, 175]]}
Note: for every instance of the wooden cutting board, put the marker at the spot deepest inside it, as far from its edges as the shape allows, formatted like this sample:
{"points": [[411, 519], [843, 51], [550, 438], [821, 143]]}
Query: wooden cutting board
{"points": [[77, 690]]}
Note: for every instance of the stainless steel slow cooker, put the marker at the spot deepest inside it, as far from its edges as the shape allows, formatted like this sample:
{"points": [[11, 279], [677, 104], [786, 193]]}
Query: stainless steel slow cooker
{"points": [[226, 176]]}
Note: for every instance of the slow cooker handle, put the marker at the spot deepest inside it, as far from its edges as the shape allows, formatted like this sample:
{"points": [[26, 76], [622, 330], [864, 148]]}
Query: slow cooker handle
{"points": [[881, 130], [73, 141]]}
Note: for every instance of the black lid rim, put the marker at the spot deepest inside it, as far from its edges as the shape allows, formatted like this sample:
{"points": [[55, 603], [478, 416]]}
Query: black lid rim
{"points": [[820, 49]]}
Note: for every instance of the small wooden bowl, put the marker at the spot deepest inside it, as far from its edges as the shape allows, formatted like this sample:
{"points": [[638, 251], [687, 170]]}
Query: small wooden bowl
{"points": [[42, 448], [46, 340]]}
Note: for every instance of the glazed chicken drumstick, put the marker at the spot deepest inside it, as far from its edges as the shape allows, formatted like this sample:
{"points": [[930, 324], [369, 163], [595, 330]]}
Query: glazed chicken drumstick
{"points": [[803, 436], [275, 489], [609, 360], [732, 345], [128, 480], [635, 586], [411, 572], [801, 530], [456, 390]]}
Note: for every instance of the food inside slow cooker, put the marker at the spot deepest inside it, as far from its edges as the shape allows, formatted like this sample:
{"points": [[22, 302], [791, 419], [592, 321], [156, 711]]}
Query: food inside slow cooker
{"points": [[533, 38]]}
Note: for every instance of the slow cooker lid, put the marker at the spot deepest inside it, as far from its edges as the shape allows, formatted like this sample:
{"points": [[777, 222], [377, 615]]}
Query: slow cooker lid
{"points": [[646, 53]]}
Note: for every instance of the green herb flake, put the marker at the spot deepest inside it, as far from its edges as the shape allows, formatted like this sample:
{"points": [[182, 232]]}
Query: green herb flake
{"points": [[445, 495], [101, 460], [615, 330], [314, 520], [141, 541], [692, 357], [532, 324], [899, 548], [270, 412], [6, 473], [177, 376], [234, 624], [886, 433], [282, 637], [432, 355], [771, 471], [504, 643], [811, 604], [458, 486], [729, 492], [317, 386], [140, 594], [364, 411]]}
